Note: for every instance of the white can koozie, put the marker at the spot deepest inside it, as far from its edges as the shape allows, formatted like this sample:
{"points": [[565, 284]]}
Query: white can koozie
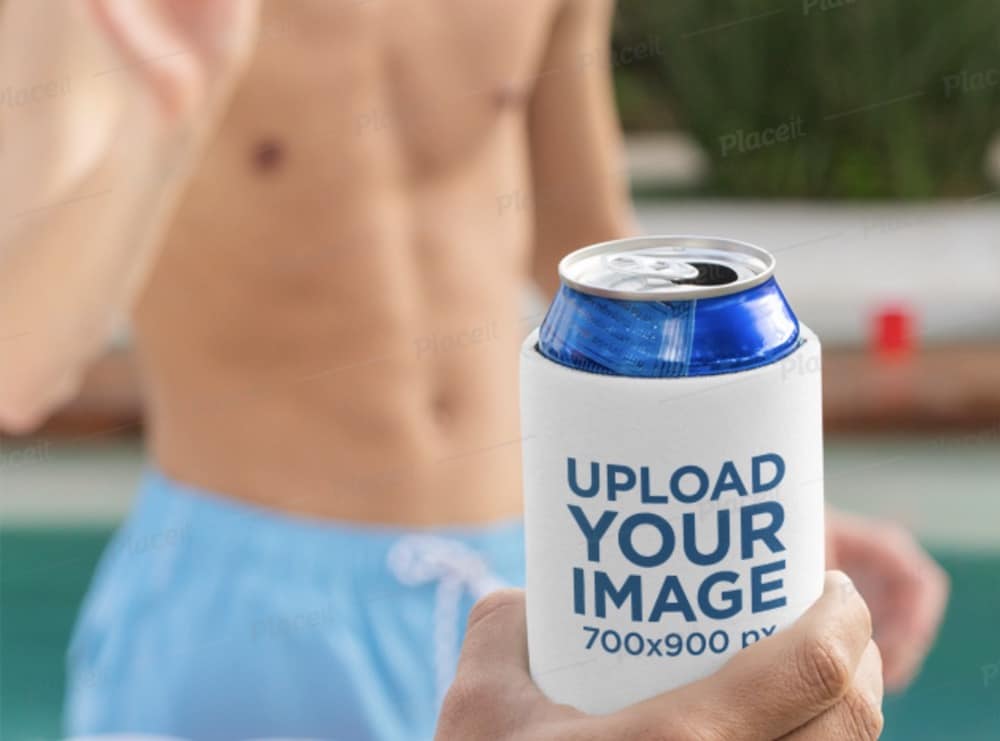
{"points": [[670, 521]]}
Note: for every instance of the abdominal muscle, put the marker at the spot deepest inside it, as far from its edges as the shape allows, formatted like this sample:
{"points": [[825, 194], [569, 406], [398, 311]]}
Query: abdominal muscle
{"points": [[376, 389]]}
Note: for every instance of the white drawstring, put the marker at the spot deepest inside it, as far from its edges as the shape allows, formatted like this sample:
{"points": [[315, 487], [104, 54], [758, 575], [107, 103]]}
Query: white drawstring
{"points": [[416, 560]]}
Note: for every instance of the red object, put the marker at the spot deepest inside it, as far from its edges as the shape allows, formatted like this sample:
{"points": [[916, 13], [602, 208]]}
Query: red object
{"points": [[893, 332]]}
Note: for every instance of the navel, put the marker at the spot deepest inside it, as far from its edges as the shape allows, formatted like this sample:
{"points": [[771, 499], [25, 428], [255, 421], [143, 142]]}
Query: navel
{"points": [[443, 407]]}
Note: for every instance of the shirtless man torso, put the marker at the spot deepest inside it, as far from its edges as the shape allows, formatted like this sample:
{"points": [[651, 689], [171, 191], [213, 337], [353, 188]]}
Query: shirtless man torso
{"points": [[333, 322], [327, 324]]}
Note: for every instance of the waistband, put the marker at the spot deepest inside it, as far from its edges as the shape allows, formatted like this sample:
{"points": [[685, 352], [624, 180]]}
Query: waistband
{"points": [[169, 509]]}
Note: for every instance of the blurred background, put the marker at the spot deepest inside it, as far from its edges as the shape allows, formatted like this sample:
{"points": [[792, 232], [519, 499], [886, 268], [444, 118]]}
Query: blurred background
{"points": [[859, 140]]}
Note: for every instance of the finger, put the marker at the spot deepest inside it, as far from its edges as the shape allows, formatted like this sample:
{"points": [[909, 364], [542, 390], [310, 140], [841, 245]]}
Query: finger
{"points": [[918, 599], [777, 684], [914, 593], [916, 616], [903, 659], [496, 635], [859, 714], [901, 560]]}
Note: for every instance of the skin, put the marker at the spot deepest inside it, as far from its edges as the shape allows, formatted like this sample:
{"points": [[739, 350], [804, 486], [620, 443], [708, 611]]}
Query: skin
{"points": [[823, 682], [904, 587], [323, 230]]}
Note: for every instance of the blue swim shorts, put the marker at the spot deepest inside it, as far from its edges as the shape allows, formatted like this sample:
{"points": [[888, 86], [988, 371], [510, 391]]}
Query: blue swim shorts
{"points": [[213, 619]]}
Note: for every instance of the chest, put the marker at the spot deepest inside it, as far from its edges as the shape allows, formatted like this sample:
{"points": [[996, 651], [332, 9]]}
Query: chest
{"points": [[433, 78]]}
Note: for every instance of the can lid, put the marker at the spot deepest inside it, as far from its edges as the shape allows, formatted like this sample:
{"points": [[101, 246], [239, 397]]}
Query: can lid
{"points": [[666, 268]]}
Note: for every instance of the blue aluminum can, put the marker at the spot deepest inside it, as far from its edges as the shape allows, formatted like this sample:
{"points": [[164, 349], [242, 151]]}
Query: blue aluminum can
{"points": [[668, 306]]}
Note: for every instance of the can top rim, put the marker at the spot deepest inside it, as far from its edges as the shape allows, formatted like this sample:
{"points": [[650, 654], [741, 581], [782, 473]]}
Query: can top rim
{"points": [[760, 262]]}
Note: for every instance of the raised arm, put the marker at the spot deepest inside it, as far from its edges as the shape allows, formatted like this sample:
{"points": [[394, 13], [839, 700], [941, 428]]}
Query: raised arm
{"points": [[580, 190], [108, 104]]}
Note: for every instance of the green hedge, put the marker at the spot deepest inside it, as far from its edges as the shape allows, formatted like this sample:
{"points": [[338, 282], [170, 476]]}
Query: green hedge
{"points": [[880, 98]]}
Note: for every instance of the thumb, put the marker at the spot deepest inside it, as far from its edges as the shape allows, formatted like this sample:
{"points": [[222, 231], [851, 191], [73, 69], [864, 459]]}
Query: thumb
{"points": [[496, 635]]}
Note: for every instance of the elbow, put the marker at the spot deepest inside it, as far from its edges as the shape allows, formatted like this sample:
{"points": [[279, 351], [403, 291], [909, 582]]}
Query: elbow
{"points": [[25, 402], [20, 414]]}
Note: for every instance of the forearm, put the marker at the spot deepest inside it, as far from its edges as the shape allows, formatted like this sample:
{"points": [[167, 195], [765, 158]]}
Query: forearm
{"points": [[89, 179], [71, 264], [580, 195]]}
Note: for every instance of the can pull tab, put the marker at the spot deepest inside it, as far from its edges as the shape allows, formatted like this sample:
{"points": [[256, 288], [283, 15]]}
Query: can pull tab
{"points": [[652, 267]]}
